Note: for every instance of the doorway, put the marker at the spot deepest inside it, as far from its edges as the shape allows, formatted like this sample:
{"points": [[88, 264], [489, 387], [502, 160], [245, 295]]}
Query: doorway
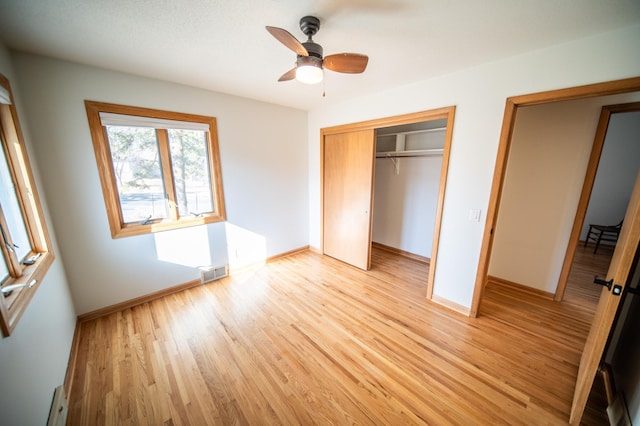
{"points": [[612, 170], [513, 107], [552, 168]]}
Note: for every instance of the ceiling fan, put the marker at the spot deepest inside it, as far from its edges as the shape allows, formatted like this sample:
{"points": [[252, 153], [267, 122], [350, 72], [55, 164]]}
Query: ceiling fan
{"points": [[310, 62]]}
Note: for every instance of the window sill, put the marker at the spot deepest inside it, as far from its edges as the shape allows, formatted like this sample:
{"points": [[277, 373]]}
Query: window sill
{"points": [[131, 229]]}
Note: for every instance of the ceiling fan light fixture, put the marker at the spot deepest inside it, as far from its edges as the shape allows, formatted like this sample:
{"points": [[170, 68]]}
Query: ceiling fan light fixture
{"points": [[309, 74], [309, 70]]}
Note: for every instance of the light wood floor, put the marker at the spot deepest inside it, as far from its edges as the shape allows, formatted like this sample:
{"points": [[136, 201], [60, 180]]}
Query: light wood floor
{"points": [[586, 264], [309, 340]]}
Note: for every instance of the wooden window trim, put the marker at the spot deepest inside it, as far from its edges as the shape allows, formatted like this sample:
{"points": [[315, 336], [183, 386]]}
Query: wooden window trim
{"points": [[117, 225], [13, 305]]}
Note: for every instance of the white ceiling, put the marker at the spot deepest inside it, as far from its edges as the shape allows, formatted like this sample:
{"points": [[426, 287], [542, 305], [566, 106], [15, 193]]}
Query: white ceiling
{"points": [[222, 45]]}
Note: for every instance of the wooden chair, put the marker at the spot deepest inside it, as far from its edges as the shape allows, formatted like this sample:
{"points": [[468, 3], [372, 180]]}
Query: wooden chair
{"points": [[599, 233]]}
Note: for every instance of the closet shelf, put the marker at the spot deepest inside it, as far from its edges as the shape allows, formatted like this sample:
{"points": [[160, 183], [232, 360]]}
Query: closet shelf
{"points": [[413, 132], [410, 153]]}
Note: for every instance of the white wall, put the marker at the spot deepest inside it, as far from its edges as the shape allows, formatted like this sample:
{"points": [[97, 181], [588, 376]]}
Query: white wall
{"points": [[617, 172], [479, 94], [405, 204], [34, 358], [545, 173], [263, 153]]}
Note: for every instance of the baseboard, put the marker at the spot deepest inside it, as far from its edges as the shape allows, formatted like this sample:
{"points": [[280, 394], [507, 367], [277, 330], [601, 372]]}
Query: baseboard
{"points": [[609, 385], [451, 305], [107, 310], [400, 252], [315, 250], [520, 287], [287, 254], [73, 356]]}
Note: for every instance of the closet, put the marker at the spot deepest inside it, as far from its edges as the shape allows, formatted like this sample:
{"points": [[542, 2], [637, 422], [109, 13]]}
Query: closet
{"points": [[405, 158], [406, 184]]}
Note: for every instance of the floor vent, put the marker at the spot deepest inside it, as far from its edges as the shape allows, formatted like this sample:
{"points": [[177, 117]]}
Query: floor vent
{"points": [[213, 273]]}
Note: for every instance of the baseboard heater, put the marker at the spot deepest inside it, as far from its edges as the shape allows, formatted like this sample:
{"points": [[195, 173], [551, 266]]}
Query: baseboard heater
{"points": [[59, 408]]}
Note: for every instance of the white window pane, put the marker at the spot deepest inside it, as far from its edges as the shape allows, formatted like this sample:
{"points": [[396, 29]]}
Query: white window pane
{"points": [[190, 161], [11, 209], [111, 119], [136, 164]]}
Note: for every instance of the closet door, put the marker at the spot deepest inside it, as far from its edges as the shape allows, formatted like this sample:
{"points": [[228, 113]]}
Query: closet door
{"points": [[348, 162]]}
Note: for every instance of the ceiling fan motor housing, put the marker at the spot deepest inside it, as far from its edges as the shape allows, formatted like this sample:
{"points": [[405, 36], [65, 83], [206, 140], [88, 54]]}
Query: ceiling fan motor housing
{"points": [[309, 61], [315, 55], [313, 48]]}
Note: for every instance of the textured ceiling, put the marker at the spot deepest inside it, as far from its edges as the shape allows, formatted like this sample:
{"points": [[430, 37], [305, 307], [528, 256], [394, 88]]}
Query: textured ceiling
{"points": [[222, 45]]}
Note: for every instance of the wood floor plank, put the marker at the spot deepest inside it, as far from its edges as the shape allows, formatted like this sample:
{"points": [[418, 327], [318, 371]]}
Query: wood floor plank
{"points": [[307, 339]]}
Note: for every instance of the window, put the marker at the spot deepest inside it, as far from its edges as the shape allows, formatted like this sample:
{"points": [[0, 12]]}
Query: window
{"points": [[25, 246], [159, 170]]}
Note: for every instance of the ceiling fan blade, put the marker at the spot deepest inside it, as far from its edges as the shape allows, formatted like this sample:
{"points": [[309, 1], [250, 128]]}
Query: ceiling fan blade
{"points": [[350, 63], [289, 75], [285, 37]]}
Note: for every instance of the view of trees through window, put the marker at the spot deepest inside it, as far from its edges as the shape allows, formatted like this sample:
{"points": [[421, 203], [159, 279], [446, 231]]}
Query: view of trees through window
{"points": [[12, 224], [137, 165], [190, 162]]}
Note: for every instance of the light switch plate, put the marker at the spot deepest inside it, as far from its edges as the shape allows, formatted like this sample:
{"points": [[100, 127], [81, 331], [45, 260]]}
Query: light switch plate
{"points": [[474, 215]]}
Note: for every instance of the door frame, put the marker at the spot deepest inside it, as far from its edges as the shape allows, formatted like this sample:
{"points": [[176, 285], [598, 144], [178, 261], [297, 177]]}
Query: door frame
{"points": [[506, 135], [585, 195], [447, 113]]}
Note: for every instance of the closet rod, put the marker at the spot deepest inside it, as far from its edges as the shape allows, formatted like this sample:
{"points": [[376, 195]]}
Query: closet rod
{"points": [[413, 153]]}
